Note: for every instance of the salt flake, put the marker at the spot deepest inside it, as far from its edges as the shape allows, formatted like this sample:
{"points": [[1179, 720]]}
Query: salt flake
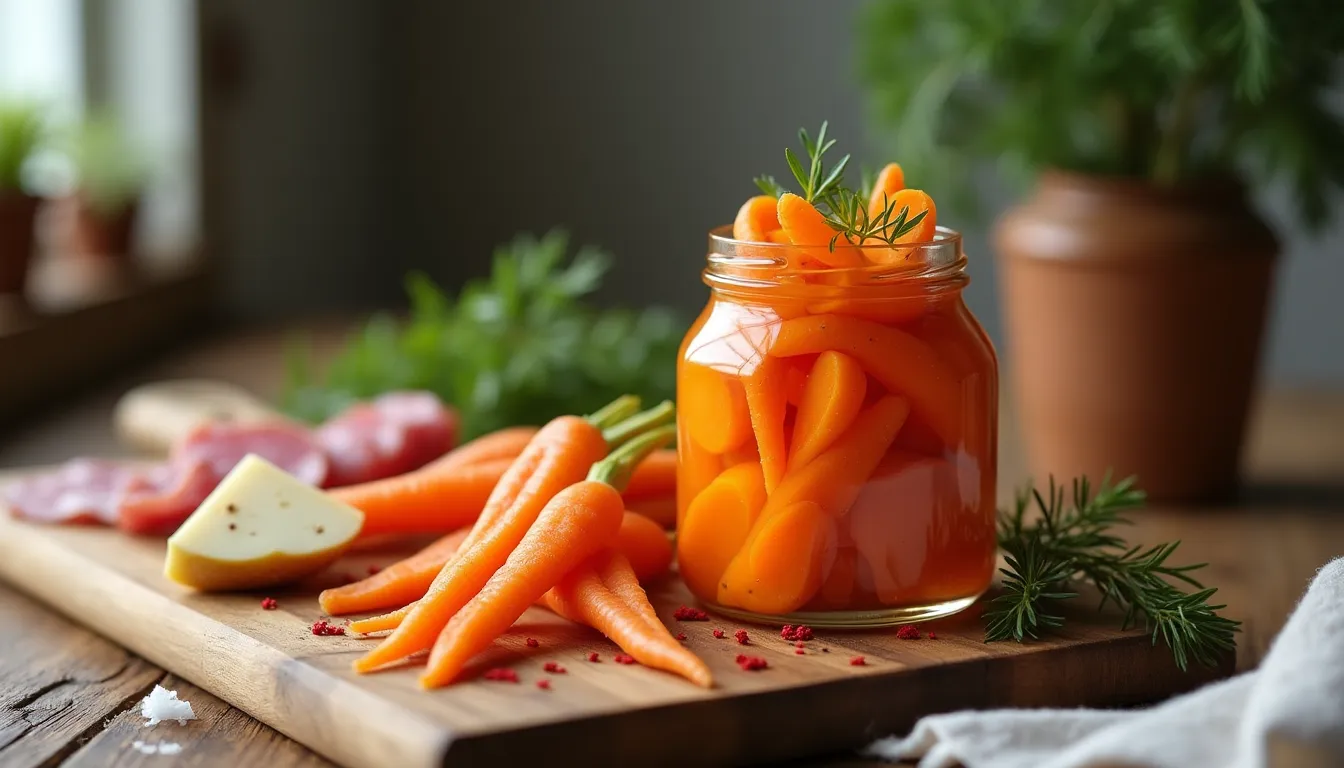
{"points": [[162, 704]]}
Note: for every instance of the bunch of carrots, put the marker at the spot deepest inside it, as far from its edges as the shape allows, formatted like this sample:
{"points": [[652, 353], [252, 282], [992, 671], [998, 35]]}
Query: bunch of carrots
{"points": [[553, 530]]}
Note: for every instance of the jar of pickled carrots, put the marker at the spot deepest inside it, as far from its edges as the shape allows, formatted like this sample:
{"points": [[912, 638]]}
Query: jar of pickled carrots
{"points": [[837, 434]]}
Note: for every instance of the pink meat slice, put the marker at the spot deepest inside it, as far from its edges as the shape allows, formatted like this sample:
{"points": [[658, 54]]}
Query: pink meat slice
{"points": [[390, 435], [161, 499], [80, 491], [221, 446]]}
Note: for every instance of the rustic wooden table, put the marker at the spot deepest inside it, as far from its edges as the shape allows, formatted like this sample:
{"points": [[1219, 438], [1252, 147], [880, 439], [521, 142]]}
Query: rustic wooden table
{"points": [[68, 697]]}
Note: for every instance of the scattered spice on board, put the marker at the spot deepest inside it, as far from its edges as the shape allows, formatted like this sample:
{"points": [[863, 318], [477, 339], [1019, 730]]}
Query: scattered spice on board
{"points": [[932, 636], [624, 658], [858, 661], [532, 643], [685, 613], [908, 632], [720, 634], [751, 663], [800, 644], [825, 650], [554, 668], [681, 636], [593, 657], [324, 629], [544, 685], [800, 632], [741, 636], [799, 651], [269, 604], [501, 674]]}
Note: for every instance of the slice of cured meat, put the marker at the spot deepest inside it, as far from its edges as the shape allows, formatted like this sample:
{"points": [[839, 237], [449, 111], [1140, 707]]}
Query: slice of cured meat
{"points": [[80, 491], [159, 500], [221, 446], [390, 435]]}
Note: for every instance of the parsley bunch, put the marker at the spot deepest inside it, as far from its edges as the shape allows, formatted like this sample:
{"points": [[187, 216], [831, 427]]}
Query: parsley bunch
{"points": [[517, 347]]}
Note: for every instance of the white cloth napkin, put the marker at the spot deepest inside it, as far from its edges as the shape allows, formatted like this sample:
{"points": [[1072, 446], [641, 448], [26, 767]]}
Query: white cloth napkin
{"points": [[1289, 712]]}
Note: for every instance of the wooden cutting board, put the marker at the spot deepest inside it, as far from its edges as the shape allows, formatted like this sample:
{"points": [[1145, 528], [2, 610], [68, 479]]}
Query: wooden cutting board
{"points": [[271, 666]]}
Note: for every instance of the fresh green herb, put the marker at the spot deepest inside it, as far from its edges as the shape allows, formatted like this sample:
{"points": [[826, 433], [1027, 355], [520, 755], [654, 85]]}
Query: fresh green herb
{"points": [[845, 209], [517, 347], [1165, 91], [22, 129], [1067, 544]]}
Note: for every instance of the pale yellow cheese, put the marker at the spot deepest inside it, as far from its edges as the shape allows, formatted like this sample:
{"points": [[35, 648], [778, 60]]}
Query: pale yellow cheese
{"points": [[260, 527]]}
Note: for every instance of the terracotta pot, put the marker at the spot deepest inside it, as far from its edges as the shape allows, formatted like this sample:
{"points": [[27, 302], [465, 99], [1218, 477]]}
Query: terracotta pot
{"points": [[18, 213], [87, 232], [1134, 318]]}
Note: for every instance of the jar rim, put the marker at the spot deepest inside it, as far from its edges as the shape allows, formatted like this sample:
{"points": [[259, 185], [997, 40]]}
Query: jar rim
{"points": [[746, 263]]}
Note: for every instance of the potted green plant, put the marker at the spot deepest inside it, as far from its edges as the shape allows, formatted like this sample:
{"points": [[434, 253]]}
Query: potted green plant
{"points": [[1135, 277], [110, 175], [21, 132]]}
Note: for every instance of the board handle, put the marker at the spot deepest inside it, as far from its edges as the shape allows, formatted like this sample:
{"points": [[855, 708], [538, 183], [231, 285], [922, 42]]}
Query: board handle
{"points": [[154, 417]]}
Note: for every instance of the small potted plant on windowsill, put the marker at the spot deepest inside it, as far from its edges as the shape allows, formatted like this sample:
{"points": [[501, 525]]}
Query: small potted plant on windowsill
{"points": [[1135, 279], [21, 131], [99, 216]]}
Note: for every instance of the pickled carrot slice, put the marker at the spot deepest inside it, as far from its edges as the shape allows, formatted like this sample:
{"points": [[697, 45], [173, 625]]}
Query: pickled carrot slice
{"points": [[785, 560], [795, 380], [805, 226], [890, 180], [746, 453], [832, 398], [714, 408], [716, 524], [893, 518], [832, 481], [766, 402], [914, 202], [756, 220], [903, 363], [696, 469]]}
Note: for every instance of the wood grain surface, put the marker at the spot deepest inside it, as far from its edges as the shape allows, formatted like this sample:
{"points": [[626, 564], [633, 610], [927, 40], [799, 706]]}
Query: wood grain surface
{"points": [[269, 664], [1263, 550]]}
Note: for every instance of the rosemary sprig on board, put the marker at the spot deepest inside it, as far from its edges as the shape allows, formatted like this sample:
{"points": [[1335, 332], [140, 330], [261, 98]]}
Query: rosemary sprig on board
{"points": [[1071, 543], [845, 210]]}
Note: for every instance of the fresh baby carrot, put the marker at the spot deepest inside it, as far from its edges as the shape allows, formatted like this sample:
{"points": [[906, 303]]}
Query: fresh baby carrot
{"points": [[578, 522], [716, 524], [424, 501], [440, 495], [904, 364], [560, 455], [832, 398], [396, 585], [604, 594], [645, 544], [766, 402], [655, 477]]}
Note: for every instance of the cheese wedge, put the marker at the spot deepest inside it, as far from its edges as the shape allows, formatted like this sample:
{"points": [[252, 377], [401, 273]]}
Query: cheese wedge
{"points": [[260, 527]]}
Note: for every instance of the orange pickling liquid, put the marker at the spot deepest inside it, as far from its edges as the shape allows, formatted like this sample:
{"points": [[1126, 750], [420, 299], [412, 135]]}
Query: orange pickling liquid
{"points": [[837, 439]]}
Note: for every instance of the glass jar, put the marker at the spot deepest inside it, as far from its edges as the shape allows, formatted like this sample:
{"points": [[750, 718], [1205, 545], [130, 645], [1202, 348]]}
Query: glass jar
{"points": [[837, 437]]}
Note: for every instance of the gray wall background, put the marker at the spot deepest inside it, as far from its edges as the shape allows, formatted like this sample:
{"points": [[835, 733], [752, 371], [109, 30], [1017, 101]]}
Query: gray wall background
{"points": [[360, 140]]}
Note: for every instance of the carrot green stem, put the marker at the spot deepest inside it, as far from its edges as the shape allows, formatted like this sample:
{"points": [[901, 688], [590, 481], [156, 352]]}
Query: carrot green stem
{"points": [[661, 414], [614, 412], [615, 470]]}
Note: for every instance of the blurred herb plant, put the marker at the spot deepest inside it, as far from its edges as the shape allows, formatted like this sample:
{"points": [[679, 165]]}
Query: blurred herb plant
{"points": [[517, 347], [1164, 91], [22, 129], [110, 171]]}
